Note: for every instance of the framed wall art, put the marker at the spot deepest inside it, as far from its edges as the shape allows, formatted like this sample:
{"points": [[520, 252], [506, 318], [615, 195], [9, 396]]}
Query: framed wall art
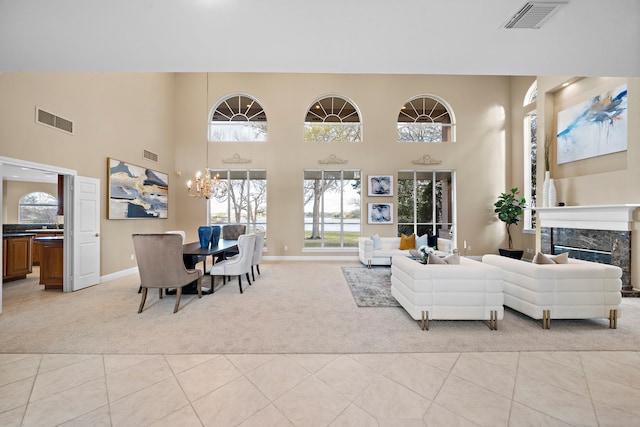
{"points": [[594, 127], [136, 192], [380, 213], [380, 185]]}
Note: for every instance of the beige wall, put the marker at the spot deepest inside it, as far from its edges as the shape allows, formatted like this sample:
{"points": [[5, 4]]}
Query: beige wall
{"points": [[12, 191], [604, 180], [481, 106], [117, 115], [114, 115]]}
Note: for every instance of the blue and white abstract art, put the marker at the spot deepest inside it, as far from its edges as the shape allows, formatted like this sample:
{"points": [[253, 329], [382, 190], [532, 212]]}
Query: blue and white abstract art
{"points": [[594, 127]]}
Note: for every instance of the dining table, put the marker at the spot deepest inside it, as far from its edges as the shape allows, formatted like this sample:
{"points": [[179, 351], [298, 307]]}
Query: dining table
{"points": [[193, 253]]}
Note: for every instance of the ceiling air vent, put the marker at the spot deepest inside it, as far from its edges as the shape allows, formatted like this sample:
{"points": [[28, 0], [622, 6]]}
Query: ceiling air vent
{"points": [[48, 119], [533, 14], [150, 156]]}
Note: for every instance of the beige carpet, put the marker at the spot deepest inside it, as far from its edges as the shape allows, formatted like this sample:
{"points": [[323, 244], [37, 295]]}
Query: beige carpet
{"points": [[293, 307]]}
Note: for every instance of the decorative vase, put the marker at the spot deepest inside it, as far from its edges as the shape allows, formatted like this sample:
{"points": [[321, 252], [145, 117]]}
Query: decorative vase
{"points": [[545, 190], [552, 193], [215, 235], [204, 234]]}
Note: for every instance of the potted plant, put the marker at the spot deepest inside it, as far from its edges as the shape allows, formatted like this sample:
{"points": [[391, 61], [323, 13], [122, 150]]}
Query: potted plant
{"points": [[510, 209]]}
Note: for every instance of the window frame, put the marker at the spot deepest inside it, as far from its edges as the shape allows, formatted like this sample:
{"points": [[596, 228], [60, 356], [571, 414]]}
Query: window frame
{"points": [[230, 175], [343, 213], [530, 177], [53, 205], [434, 225], [321, 122], [415, 118], [234, 116]]}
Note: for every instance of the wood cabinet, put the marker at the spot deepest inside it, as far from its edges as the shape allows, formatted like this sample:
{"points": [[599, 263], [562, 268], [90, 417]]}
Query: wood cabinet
{"points": [[16, 256], [51, 262], [36, 245]]}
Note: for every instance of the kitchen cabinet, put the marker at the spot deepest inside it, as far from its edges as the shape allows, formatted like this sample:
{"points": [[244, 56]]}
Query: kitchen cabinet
{"points": [[51, 261], [49, 232], [16, 256]]}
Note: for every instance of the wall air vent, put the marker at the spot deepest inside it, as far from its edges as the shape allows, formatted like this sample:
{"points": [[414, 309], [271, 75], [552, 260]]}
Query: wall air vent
{"points": [[533, 14], [49, 119], [148, 155]]}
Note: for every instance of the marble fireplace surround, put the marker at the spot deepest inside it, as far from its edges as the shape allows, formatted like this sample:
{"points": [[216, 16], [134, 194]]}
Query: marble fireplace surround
{"points": [[602, 229]]}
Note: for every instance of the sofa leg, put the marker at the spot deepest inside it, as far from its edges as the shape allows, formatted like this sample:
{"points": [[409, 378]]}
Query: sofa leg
{"points": [[369, 264], [546, 319], [425, 320], [613, 319], [493, 320]]}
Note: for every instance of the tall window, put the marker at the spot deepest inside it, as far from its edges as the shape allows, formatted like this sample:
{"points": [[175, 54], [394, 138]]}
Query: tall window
{"points": [[426, 203], [243, 202], [425, 119], [333, 118], [331, 208], [238, 118], [38, 208], [530, 155]]}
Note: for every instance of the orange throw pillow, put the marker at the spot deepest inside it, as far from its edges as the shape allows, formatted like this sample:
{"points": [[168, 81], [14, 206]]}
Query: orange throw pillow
{"points": [[408, 242]]}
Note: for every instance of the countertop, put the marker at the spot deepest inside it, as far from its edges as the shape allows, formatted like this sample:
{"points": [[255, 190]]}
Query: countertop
{"points": [[9, 236], [49, 238], [46, 230]]}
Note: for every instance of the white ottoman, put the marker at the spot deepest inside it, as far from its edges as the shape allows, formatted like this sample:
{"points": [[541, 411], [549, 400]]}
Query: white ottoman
{"points": [[470, 290]]}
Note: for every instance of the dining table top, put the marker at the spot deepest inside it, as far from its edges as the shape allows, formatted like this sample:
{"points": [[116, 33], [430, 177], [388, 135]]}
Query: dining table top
{"points": [[194, 248]]}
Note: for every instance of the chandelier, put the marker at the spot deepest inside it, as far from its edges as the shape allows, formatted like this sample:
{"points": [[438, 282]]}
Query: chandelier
{"points": [[207, 187]]}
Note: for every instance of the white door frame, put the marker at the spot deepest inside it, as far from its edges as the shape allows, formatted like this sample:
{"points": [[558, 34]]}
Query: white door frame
{"points": [[68, 217]]}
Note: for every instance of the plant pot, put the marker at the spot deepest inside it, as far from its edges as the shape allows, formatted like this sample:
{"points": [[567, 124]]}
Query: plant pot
{"points": [[511, 253]]}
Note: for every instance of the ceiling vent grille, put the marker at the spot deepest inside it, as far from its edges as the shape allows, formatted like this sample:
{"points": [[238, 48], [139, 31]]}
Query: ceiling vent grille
{"points": [[49, 119], [150, 156], [533, 14]]}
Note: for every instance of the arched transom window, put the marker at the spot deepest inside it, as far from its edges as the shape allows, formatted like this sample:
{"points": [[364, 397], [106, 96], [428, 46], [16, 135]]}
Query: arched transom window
{"points": [[425, 119], [37, 208], [238, 118], [333, 118]]}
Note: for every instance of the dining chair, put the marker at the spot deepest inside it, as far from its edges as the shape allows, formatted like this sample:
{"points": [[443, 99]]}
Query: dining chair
{"points": [[238, 265], [161, 266], [257, 254], [232, 232]]}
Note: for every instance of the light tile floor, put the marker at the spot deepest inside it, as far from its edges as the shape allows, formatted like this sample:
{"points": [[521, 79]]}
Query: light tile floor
{"points": [[423, 389]]}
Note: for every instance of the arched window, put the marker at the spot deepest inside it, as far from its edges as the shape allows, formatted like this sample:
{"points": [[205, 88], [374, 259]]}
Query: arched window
{"points": [[38, 208], [425, 119], [333, 118], [530, 140], [238, 118]]}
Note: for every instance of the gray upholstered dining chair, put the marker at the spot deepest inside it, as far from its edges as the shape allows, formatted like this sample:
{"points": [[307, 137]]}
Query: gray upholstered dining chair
{"points": [[161, 266], [239, 264], [257, 254]]}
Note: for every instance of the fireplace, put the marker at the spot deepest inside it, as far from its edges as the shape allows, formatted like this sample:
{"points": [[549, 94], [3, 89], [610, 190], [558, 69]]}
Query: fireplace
{"points": [[592, 233]]}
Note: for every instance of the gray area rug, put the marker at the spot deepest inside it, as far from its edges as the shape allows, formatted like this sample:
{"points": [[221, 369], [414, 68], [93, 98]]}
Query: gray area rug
{"points": [[370, 287]]}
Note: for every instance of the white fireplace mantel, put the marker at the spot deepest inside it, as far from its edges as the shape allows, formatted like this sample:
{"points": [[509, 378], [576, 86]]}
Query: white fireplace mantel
{"points": [[603, 217]]}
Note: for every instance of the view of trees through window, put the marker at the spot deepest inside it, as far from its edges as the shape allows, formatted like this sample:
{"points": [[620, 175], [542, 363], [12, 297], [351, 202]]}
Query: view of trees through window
{"points": [[332, 118], [531, 155], [424, 119], [38, 208], [425, 202], [238, 118], [243, 202], [332, 201]]}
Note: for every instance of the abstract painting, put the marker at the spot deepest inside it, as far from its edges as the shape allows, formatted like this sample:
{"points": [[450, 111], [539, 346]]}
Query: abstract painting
{"points": [[380, 213], [136, 192], [593, 128], [380, 185]]}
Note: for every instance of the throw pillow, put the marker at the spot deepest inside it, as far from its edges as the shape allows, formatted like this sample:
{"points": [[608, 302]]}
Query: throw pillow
{"points": [[422, 241], [408, 242], [433, 241], [377, 243], [452, 259], [435, 259], [541, 258]]}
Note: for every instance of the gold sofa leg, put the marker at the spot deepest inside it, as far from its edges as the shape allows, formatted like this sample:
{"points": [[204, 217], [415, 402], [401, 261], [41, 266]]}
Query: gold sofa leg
{"points": [[546, 319], [425, 320], [613, 319]]}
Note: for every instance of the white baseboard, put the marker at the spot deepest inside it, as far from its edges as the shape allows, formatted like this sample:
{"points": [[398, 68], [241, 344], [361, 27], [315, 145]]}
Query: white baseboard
{"points": [[311, 258], [118, 274]]}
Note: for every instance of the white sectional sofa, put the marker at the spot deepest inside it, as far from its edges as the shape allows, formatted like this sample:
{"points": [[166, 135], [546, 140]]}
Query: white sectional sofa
{"points": [[390, 247], [470, 290], [577, 290]]}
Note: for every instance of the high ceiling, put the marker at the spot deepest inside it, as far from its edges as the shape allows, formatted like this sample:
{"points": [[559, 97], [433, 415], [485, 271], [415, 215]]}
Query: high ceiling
{"points": [[585, 38]]}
